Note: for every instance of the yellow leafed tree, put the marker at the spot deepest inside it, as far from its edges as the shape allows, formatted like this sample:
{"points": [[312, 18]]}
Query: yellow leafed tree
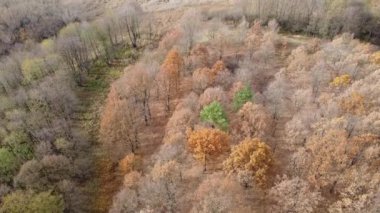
{"points": [[251, 155], [376, 57], [341, 81]]}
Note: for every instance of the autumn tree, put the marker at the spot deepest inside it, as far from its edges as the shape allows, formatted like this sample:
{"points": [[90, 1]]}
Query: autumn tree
{"points": [[251, 155], [205, 144], [201, 79], [180, 121], [375, 57], [119, 125], [217, 193], [132, 179], [341, 81], [354, 104], [213, 94], [218, 68], [160, 189], [253, 120], [138, 83], [215, 115], [173, 65], [199, 56], [277, 94], [294, 195], [125, 201], [129, 163], [334, 158], [169, 76]]}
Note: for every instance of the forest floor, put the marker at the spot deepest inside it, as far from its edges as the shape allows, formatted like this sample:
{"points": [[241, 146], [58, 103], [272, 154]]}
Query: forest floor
{"points": [[104, 181], [92, 95]]}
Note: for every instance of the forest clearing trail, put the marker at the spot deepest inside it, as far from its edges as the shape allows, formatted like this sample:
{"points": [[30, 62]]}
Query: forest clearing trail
{"points": [[106, 180], [102, 185]]}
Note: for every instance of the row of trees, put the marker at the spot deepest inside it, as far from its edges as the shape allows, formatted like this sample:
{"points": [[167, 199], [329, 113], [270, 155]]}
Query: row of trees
{"points": [[322, 17]]}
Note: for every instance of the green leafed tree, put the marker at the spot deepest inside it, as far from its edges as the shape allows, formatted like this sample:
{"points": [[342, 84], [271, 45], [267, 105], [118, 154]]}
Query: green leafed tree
{"points": [[8, 164], [215, 115], [242, 96], [19, 144], [21, 201]]}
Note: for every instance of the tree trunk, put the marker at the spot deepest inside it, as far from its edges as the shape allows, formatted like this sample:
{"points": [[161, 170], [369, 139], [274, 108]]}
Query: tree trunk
{"points": [[204, 163]]}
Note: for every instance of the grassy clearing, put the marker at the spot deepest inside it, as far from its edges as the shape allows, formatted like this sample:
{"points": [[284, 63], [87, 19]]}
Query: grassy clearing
{"points": [[92, 95]]}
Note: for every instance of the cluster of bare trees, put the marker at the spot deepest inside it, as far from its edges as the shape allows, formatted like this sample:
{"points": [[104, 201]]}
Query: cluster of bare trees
{"points": [[321, 17], [35, 20]]}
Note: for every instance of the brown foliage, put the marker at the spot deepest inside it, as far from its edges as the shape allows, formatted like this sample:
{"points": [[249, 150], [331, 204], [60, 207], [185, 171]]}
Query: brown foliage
{"points": [[294, 195], [129, 163], [173, 66], [253, 121], [334, 156], [219, 194], [354, 104], [202, 78], [119, 125], [132, 179], [213, 94], [200, 56]]}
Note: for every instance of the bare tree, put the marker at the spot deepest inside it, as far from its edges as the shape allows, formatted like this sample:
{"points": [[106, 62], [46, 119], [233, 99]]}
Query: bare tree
{"points": [[132, 16]]}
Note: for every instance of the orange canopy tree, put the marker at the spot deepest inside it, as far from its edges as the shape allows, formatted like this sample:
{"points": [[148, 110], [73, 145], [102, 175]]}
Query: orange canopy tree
{"points": [[172, 66], [207, 143]]}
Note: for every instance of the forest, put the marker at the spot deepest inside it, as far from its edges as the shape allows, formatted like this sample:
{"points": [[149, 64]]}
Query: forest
{"points": [[204, 106]]}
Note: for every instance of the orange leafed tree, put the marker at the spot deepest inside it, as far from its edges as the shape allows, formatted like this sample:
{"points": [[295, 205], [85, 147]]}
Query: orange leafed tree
{"points": [[199, 56], [129, 163], [354, 104], [251, 155], [202, 78], [119, 125], [218, 67], [172, 66], [207, 143]]}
